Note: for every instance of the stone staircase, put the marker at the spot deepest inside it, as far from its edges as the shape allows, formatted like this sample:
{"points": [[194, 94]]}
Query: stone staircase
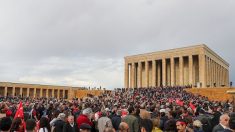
{"points": [[218, 94]]}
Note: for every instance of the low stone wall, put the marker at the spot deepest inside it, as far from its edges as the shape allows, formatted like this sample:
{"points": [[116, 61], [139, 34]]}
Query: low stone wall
{"points": [[218, 94], [84, 93]]}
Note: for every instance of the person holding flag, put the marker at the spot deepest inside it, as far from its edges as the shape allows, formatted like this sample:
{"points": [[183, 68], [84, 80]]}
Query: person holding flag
{"points": [[18, 124]]}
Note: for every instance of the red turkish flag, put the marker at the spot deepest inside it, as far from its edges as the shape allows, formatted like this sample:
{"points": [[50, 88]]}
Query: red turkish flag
{"points": [[192, 106], [180, 103], [20, 112]]}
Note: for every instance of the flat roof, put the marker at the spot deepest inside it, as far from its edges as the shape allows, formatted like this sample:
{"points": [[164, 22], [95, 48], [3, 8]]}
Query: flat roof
{"points": [[179, 49], [37, 85]]}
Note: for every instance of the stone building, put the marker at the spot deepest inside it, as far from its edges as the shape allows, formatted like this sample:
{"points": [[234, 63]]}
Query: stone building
{"points": [[197, 65], [34, 90], [48, 91]]}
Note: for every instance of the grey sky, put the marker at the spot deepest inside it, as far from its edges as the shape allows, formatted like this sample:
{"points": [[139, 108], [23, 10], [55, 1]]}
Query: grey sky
{"points": [[83, 42]]}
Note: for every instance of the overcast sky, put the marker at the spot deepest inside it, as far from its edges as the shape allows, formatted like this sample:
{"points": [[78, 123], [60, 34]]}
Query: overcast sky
{"points": [[83, 42]]}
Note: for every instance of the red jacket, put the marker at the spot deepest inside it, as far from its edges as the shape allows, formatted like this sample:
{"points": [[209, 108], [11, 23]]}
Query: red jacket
{"points": [[83, 119]]}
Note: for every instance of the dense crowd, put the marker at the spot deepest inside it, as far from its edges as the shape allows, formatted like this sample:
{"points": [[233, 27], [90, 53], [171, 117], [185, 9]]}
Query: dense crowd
{"points": [[168, 109]]}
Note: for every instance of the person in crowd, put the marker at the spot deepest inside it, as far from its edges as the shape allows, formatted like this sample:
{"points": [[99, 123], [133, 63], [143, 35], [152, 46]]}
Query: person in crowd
{"points": [[181, 125], [124, 127], [70, 125], [231, 123], [116, 120], [17, 125], [163, 118], [84, 127], [224, 123], [54, 117], [104, 122], [156, 125], [109, 129], [145, 122], [170, 126], [197, 126], [143, 110], [85, 117], [131, 120], [31, 125], [44, 125], [5, 124], [59, 123]]}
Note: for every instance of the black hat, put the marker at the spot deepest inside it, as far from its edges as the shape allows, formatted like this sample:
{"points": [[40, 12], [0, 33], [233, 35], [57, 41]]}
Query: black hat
{"points": [[85, 126]]}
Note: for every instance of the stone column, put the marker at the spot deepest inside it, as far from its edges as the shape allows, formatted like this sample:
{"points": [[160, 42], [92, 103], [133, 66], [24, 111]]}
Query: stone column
{"points": [[21, 92], [126, 75], [219, 75], [132, 75], [147, 73], [58, 93], [158, 74], [202, 73], [53, 92], [181, 71], [207, 77], [47, 92], [27, 92], [34, 92], [190, 68], [13, 90], [63, 93], [172, 71], [5, 91], [228, 83], [154, 73], [209, 71], [216, 75], [164, 72], [41, 92], [223, 76], [212, 72], [139, 74], [215, 80]]}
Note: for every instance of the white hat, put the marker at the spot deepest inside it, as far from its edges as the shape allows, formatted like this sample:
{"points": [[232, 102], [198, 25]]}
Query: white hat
{"points": [[162, 110], [61, 116], [87, 111], [107, 109]]}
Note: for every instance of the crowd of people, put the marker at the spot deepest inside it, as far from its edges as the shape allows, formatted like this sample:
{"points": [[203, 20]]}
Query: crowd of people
{"points": [[155, 109]]}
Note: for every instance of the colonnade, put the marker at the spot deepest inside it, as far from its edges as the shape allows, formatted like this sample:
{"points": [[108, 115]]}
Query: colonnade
{"points": [[34, 92], [197, 70]]}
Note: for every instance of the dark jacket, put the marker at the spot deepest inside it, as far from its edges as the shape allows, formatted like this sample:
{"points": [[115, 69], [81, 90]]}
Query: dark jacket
{"points": [[218, 128], [59, 124], [116, 120], [68, 128], [147, 124]]}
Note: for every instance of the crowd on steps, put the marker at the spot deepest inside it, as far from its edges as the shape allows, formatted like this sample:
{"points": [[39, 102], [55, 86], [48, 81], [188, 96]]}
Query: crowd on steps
{"points": [[154, 109]]}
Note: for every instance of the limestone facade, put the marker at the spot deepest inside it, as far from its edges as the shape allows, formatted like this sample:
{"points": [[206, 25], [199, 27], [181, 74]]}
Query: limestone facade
{"points": [[197, 65], [35, 90]]}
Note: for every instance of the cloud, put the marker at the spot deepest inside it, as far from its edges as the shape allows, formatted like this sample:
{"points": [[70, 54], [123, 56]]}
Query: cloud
{"points": [[80, 72]]}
